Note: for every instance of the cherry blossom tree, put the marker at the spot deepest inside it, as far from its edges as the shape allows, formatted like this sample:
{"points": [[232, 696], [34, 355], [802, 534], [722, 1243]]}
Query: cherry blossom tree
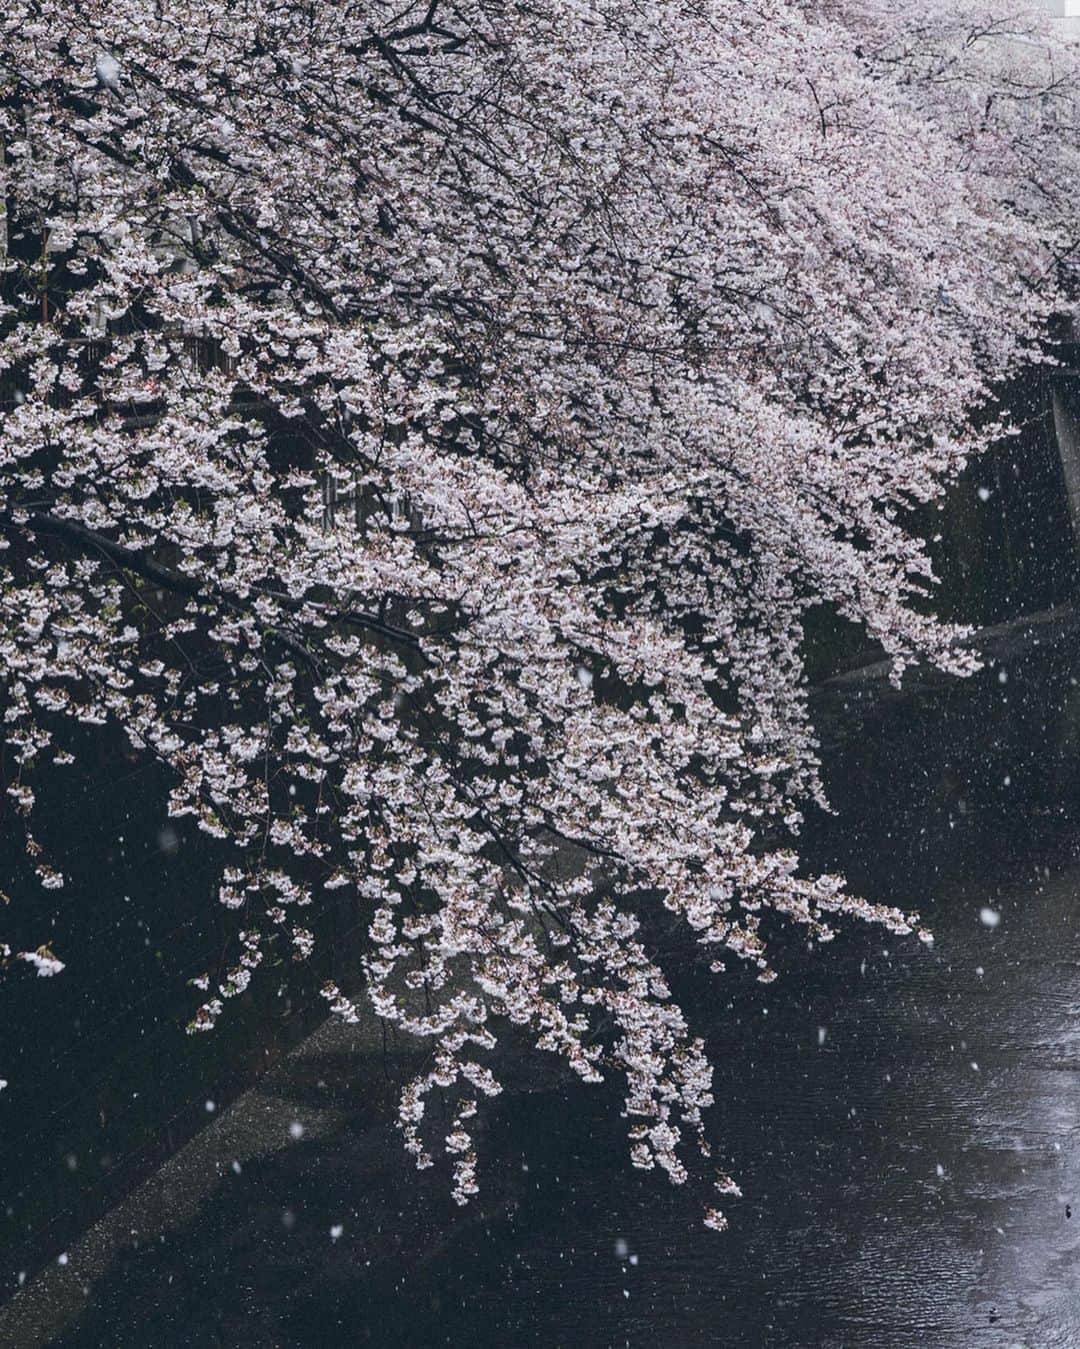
{"points": [[428, 427]]}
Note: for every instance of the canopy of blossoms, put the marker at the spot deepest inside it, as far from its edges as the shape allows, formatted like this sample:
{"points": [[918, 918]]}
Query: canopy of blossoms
{"points": [[427, 428]]}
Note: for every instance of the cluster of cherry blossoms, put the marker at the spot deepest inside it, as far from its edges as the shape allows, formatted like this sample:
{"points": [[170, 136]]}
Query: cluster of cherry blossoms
{"points": [[427, 428]]}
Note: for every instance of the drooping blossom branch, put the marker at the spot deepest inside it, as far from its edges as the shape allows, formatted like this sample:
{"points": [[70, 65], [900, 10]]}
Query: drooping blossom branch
{"points": [[427, 429]]}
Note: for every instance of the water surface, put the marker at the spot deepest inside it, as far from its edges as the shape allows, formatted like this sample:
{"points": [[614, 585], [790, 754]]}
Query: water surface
{"points": [[904, 1121]]}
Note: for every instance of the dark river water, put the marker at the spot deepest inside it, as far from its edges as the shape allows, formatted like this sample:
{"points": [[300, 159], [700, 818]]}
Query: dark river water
{"points": [[904, 1121]]}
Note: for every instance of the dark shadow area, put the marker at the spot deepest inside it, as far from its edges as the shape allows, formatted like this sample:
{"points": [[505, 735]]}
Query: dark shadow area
{"points": [[903, 1120]]}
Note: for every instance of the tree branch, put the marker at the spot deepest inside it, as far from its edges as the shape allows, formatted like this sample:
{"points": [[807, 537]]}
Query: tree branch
{"points": [[140, 562]]}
